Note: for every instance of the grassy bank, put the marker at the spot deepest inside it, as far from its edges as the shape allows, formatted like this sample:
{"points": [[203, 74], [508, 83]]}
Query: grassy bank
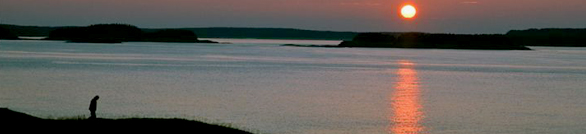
{"points": [[13, 118]]}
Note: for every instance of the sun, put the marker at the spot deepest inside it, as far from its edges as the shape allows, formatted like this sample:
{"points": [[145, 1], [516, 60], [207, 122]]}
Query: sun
{"points": [[408, 11]]}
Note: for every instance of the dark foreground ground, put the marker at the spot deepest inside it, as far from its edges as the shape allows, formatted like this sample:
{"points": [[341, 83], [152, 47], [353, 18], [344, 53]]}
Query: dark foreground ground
{"points": [[12, 120]]}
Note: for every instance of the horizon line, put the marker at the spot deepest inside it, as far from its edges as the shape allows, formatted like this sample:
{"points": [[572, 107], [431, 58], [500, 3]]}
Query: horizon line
{"points": [[289, 28]]}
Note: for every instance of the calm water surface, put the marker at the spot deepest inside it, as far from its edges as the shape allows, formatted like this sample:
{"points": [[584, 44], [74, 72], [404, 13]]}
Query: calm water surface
{"points": [[261, 86]]}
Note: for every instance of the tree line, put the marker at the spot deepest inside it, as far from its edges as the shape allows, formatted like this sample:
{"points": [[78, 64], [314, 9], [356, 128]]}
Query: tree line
{"points": [[115, 33]]}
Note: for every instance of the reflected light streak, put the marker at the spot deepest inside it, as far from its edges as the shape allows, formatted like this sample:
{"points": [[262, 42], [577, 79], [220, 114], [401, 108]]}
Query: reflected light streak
{"points": [[406, 108]]}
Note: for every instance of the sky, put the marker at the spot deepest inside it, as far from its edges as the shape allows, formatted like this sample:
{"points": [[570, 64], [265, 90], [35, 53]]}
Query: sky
{"points": [[434, 16]]}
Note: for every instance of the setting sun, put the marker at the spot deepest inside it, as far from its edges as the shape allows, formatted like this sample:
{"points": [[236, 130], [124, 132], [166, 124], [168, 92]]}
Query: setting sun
{"points": [[408, 11]]}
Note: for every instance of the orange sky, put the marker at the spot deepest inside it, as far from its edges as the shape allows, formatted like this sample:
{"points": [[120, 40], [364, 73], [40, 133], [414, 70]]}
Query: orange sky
{"points": [[455, 16]]}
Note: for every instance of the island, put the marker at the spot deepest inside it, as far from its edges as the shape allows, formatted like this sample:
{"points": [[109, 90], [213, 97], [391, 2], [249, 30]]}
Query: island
{"points": [[563, 37], [117, 33], [7, 34], [437, 41]]}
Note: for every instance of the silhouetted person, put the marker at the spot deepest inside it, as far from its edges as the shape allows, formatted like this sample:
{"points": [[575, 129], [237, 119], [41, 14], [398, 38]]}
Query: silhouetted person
{"points": [[93, 107]]}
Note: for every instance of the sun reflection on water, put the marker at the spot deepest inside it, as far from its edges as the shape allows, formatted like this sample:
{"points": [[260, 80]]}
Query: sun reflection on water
{"points": [[406, 108]]}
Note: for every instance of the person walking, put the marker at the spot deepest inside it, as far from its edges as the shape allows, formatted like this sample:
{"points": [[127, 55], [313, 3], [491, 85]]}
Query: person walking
{"points": [[94, 107]]}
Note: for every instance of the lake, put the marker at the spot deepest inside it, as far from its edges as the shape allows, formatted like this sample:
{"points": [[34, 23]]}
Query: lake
{"points": [[261, 86]]}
